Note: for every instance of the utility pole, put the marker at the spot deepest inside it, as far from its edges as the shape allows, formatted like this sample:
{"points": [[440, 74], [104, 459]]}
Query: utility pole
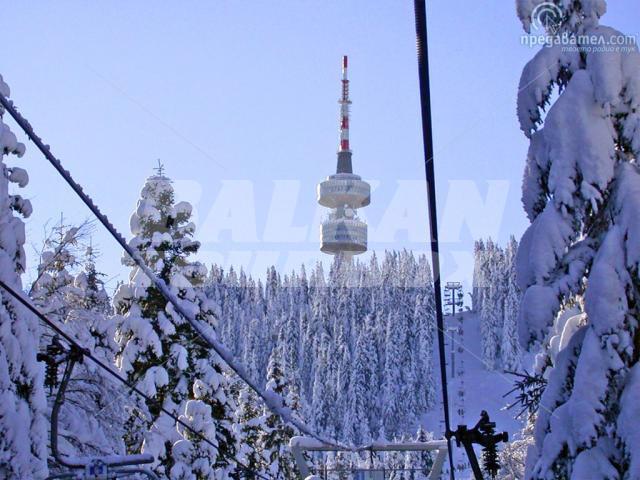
{"points": [[452, 332], [453, 297]]}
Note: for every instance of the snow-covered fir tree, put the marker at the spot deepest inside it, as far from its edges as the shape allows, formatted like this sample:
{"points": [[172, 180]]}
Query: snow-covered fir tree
{"points": [[160, 352], [497, 295], [275, 435], [362, 403], [477, 292], [249, 427], [54, 282], [424, 344], [23, 428], [392, 394], [581, 191], [510, 351], [492, 313]]}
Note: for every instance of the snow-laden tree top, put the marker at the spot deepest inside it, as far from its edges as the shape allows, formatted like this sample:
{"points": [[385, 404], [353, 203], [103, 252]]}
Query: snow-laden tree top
{"points": [[160, 350]]}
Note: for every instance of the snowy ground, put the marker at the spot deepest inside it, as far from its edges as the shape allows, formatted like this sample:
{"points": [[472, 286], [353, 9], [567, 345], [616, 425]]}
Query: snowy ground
{"points": [[483, 390]]}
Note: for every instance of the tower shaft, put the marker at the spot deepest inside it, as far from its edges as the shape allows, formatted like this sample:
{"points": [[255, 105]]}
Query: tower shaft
{"points": [[344, 193]]}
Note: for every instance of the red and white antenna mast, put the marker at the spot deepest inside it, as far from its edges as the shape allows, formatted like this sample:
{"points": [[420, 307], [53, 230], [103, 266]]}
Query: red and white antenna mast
{"points": [[344, 109]]}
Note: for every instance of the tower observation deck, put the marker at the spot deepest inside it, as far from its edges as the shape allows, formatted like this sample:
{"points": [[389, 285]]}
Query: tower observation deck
{"points": [[342, 232]]}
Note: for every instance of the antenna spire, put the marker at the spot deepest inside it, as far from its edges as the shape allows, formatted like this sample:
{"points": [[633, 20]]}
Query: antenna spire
{"points": [[159, 169], [344, 108]]}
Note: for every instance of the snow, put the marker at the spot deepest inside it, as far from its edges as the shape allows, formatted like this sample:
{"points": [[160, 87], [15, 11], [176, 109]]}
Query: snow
{"points": [[180, 355], [571, 424], [8, 141], [19, 175], [586, 151], [533, 196], [158, 238], [182, 209], [565, 325], [543, 242], [604, 68], [571, 326], [596, 462], [21, 205], [537, 311], [605, 298], [627, 422], [306, 442], [537, 80], [180, 282], [140, 282], [627, 204]]}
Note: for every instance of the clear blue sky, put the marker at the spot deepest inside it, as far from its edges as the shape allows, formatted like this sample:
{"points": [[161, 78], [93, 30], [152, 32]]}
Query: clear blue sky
{"points": [[239, 100]]}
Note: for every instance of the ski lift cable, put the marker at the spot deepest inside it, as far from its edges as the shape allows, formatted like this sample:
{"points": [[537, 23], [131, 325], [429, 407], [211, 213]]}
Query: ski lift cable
{"points": [[427, 138], [87, 353], [271, 400]]}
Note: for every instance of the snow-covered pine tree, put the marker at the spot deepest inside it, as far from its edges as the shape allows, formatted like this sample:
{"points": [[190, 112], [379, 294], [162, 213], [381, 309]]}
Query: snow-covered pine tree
{"points": [[342, 294], [393, 419], [510, 351], [492, 312], [274, 440], [249, 427], [479, 283], [291, 337], [315, 297], [425, 335], [323, 385], [323, 393], [363, 384], [54, 282], [581, 191], [23, 428], [411, 382], [160, 352]]}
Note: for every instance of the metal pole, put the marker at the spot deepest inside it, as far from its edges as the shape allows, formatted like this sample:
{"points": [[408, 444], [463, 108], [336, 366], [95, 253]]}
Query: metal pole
{"points": [[427, 139], [453, 353], [453, 333]]}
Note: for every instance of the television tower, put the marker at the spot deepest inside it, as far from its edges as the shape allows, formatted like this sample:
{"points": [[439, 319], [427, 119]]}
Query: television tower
{"points": [[342, 232]]}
